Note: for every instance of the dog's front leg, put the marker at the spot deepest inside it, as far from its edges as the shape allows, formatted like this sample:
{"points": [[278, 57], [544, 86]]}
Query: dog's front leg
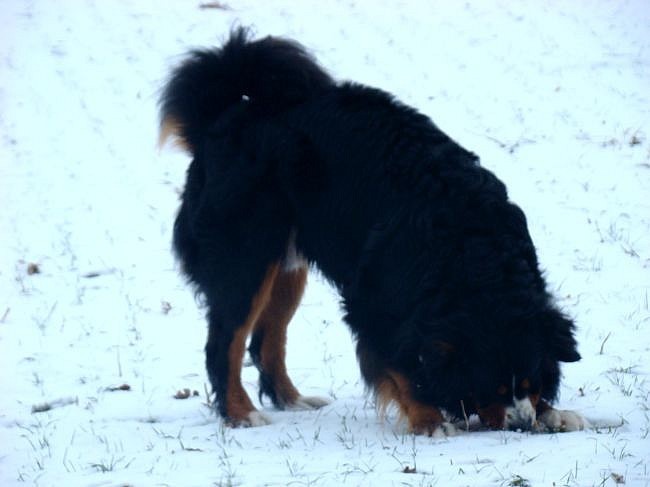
{"points": [[557, 420]]}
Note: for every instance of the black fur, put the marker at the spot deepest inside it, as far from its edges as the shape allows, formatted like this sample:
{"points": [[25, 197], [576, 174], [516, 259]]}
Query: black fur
{"points": [[435, 266]]}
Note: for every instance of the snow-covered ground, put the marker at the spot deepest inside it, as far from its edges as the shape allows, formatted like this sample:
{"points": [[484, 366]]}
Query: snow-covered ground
{"points": [[554, 96]]}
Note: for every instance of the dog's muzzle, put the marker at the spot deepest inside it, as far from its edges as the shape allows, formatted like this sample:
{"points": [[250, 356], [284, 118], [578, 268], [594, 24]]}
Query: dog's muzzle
{"points": [[520, 416]]}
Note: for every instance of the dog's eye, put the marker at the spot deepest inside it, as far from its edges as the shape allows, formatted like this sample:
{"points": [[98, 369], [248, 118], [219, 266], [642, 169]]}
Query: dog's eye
{"points": [[502, 390], [525, 384]]}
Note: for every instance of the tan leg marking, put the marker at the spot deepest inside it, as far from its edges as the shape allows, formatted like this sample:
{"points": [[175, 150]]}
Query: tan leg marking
{"points": [[287, 291], [422, 419], [493, 416], [272, 324], [238, 405]]}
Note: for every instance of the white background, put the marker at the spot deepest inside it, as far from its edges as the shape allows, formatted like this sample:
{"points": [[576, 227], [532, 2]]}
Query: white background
{"points": [[554, 97]]}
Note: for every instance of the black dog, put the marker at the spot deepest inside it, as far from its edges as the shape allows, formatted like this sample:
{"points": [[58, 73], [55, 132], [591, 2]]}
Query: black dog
{"points": [[437, 272]]}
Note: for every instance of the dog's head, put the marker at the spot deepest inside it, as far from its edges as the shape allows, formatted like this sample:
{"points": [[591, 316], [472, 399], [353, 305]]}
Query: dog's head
{"points": [[500, 374]]}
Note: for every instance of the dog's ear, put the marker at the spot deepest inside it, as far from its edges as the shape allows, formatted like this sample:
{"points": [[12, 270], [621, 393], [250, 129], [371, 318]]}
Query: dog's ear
{"points": [[561, 341]]}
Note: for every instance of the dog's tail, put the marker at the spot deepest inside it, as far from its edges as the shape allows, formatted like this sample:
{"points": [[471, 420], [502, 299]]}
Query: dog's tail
{"points": [[267, 75]]}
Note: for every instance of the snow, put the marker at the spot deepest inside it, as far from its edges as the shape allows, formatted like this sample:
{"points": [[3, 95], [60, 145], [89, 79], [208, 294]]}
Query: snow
{"points": [[554, 96]]}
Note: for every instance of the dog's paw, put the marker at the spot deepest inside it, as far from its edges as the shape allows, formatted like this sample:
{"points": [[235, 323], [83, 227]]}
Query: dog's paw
{"points": [[438, 431], [308, 403], [444, 430], [556, 420], [251, 420]]}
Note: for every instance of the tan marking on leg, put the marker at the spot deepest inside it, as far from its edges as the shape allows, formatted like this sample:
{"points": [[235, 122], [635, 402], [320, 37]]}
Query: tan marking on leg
{"points": [[493, 416], [421, 418], [287, 291], [238, 404]]}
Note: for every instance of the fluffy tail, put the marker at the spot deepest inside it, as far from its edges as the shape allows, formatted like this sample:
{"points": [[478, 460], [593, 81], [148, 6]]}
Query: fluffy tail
{"points": [[269, 75]]}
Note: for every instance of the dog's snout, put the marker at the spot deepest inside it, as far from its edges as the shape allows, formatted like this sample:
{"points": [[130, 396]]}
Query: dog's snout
{"points": [[520, 424], [520, 416]]}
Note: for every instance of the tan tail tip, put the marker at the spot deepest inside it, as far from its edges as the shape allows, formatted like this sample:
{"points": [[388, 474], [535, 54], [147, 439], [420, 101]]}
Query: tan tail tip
{"points": [[171, 130]]}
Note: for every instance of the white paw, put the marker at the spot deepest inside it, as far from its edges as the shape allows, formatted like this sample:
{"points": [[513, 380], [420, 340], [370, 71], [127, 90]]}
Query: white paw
{"points": [[308, 403], [562, 421], [255, 418], [444, 430], [252, 420]]}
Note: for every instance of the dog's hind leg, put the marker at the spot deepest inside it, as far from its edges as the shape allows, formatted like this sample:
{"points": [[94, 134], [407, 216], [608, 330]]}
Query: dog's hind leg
{"points": [[268, 343], [230, 323]]}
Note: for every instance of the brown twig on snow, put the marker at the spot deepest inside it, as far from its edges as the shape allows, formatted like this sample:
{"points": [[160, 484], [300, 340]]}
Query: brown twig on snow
{"points": [[98, 273], [462, 406], [208, 401], [602, 345], [185, 393]]}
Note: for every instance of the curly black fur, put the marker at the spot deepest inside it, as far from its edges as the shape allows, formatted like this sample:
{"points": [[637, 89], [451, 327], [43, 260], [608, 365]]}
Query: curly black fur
{"points": [[435, 266]]}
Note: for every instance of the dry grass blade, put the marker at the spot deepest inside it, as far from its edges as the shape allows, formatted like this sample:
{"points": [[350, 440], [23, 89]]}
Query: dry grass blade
{"points": [[214, 5]]}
